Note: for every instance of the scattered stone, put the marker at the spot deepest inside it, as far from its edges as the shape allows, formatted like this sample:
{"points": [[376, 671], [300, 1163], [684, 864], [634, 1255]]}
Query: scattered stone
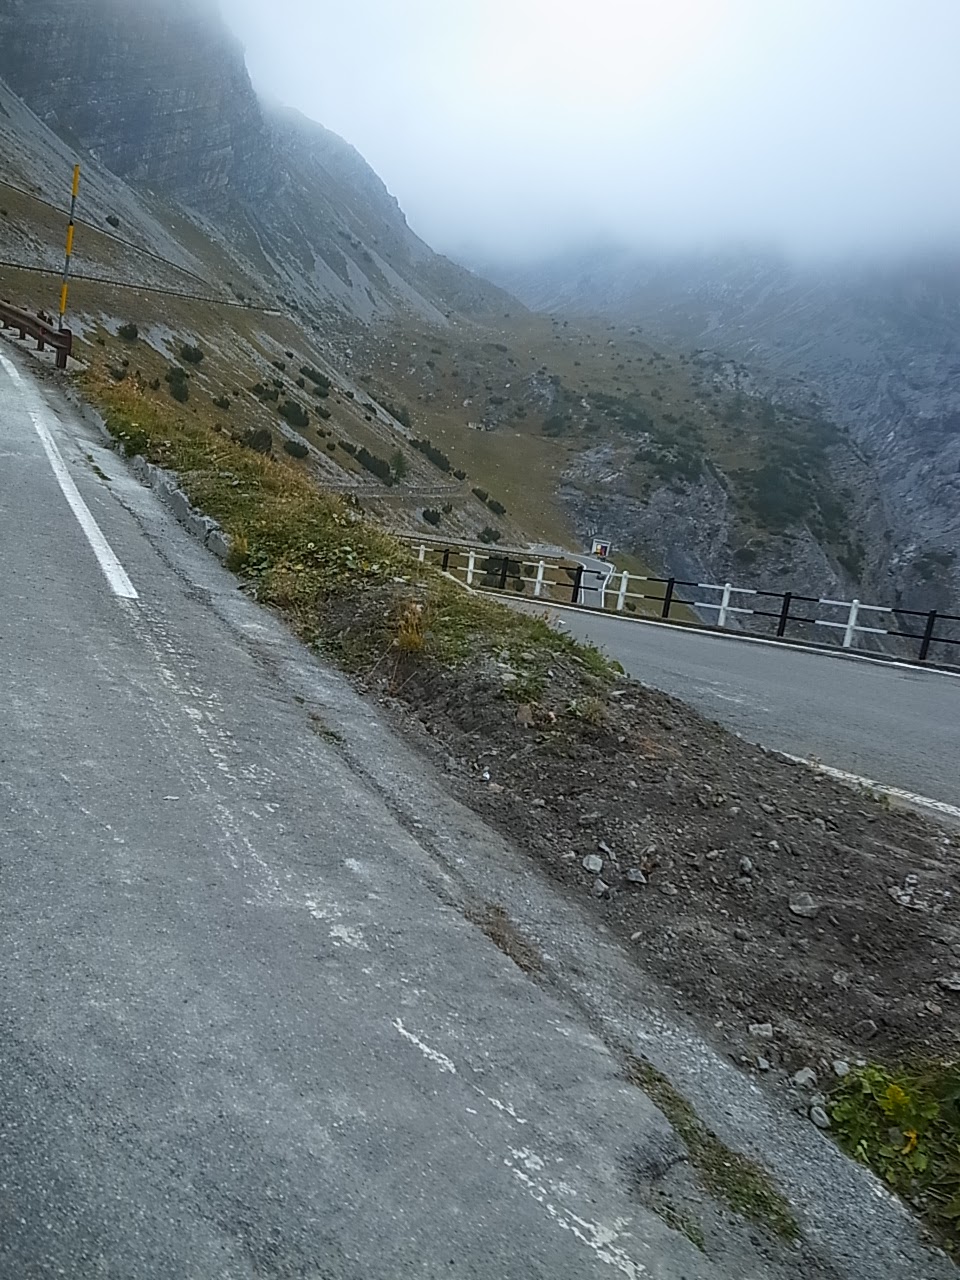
{"points": [[762, 1030], [495, 787], [820, 1117], [841, 979], [741, 934], [802, 904], [746, 867], [593, 863], [600, 888], [805, 1078], [768, 808], [865, 1030], [763, 1064], [841, 1068], [819, 824], [539, 804], [636, 876], [635, 937], [605, 848], [586, 819], [633, 784], [669, 890], [525, 716], [951, 982]]}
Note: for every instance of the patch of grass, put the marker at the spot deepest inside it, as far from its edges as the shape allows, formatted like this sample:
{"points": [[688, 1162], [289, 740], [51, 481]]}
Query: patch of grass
{"points": [[302, 551], [739, 1182], [904, 1124]]}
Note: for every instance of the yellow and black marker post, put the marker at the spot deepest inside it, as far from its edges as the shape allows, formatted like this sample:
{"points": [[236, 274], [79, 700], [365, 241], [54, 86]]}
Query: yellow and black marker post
{"points": [[66, 265]]}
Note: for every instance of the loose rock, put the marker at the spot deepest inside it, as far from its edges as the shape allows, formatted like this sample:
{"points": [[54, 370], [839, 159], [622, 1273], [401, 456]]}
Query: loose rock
{"points": [[593, 863], [820, 1117], [802, 904]]}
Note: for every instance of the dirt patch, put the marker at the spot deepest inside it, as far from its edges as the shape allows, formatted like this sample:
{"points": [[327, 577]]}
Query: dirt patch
{"points": [[503, 933], [801, 919]]}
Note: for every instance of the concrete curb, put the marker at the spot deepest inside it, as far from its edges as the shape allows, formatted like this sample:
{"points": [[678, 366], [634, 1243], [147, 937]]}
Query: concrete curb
{"points": [[165, 485]]}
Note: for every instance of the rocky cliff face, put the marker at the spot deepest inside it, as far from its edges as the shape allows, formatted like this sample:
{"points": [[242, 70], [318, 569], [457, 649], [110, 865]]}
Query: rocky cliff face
{"points": [[160, 95], [878, 346]]}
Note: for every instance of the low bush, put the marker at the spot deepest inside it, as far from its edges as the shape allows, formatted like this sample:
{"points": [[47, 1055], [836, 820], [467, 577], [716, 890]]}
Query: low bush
{"points": [[294, 413], [190, 355], [128, 332], [489, 534], [296, 448], [435, 455], [431, 515]]}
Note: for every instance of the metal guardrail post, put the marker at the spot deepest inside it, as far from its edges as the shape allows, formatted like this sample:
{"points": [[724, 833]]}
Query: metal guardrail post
{"points": [[423, 553], [538, 585], [471, 563], [446, 559], [504, 568], [927, 635], [784, 612], [724, 604], [622, 593], [577, 579], [668, 597], [851, 626]]}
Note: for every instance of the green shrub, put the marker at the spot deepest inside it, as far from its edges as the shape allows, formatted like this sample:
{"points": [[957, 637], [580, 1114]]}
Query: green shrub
{"points": [[296, 448], [489, 534], [481, 494], [222, 402], [905, 1125], [496, 507], [460, 474], [279, 364], [347, 446], [294, 413], [321, 382], [435, 455], [259, 440], [128, 332], [431, 515], [112, 220], [399, 464], [176, 379], [301, 383], [377, 466], [190, 355]]}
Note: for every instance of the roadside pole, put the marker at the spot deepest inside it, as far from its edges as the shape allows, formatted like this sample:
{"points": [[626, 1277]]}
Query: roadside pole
{"points": [[75, 191]]}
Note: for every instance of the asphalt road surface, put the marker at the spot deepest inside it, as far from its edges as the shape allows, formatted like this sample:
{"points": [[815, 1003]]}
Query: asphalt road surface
{"points": [[895, 725], [247, 1028], [242, 1033]]}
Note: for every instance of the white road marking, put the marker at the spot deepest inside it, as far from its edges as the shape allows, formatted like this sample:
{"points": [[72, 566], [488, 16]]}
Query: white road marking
{"points": [[434, 1055], [895, 793], [113, 570]]}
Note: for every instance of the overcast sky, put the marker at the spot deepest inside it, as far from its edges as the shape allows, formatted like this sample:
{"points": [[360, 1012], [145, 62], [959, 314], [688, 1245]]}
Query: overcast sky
{"points": [[525, 125]]}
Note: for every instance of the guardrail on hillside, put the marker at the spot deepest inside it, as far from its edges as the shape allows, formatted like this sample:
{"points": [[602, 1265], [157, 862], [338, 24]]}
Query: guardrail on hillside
{"points": [[36, 327], [783, 615]]}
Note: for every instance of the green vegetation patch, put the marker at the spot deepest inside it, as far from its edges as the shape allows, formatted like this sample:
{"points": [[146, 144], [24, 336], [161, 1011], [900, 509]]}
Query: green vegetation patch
{"points": [[311, 555], [905, 1125], [738, 1181]]}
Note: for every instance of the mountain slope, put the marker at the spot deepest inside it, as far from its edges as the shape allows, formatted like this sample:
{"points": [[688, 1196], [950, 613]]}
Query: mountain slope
{"points": [[160, 96], [878, 345]]}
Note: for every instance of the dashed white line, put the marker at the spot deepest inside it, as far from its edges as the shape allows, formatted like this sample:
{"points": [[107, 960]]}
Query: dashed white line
{"points": [[113, 570]]}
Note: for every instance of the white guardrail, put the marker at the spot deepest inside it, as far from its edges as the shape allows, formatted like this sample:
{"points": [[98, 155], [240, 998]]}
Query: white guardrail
{"points": [[587, 582]]}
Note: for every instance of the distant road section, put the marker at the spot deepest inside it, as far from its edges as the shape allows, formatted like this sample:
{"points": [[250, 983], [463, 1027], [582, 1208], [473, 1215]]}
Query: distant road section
{"points": [[897, 725]]}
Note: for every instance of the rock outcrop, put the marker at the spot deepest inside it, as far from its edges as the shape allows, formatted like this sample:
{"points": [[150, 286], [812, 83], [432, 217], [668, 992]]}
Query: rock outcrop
{"points": [[159, 94]]}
